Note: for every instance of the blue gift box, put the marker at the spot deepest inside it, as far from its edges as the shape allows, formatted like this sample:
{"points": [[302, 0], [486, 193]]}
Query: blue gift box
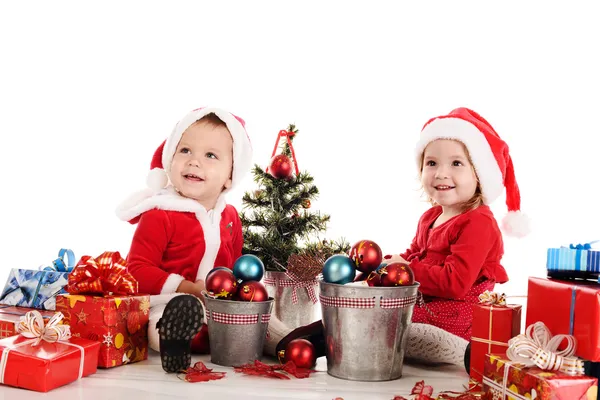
{"points": [[566, 262], [35, 289]]}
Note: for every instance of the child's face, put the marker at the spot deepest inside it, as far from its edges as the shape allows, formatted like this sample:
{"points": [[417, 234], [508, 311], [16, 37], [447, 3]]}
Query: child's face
{"points": [[447, 175], [203, 162]]}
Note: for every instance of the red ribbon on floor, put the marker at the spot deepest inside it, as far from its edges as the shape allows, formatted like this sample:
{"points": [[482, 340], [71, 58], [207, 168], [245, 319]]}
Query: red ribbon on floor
{"points": [[271, 371], [287, 135], [105, 274], [200, 373]]}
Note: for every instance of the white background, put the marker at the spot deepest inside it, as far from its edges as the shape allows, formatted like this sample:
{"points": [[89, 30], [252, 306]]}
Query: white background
{"points": [[89, 90]]}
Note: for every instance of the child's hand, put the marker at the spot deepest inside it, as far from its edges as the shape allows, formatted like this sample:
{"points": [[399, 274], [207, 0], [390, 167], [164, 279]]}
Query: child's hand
{"points": [[200, 287], [388, 259]]}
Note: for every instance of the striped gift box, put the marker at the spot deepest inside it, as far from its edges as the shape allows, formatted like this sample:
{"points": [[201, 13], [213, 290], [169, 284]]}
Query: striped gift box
{"points": [[565, 262]]}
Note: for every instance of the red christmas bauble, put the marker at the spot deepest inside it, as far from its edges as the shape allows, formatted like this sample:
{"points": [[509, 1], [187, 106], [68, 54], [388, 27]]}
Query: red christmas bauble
{"points": [[301, 352], [281, 167], [252, 291], [374, 279], [366, 255], [221, 283], [396, 274]]}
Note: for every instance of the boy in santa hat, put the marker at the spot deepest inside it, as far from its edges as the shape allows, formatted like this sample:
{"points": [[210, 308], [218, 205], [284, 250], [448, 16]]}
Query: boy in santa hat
{"points": [[185, 228], [456, 253]]}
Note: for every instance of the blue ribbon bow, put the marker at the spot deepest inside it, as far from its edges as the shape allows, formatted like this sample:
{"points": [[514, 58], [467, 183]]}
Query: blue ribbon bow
{"points": [[59, 265], [584, 246]]}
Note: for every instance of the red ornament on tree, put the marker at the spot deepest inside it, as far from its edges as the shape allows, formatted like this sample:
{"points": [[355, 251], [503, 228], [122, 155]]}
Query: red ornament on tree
{"points": [[366, 255], [396, 274], [281, 166], [301, 352], [252, 291], [374, 279], [221, 284]]}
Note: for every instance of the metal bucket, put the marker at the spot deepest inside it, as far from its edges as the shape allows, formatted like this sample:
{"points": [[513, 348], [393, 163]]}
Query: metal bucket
{"points": [[296, 303], [366, 329], [237, 330]]}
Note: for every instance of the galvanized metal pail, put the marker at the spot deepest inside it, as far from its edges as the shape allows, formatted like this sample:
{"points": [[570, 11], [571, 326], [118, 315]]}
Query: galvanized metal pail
{"points": [[296, 302], [237, 330], [366, 329]]}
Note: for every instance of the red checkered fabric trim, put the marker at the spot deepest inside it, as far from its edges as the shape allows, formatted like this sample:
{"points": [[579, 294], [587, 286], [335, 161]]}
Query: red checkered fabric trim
{"points": [[398, 303], [344, 302], [265, 318], [295, 283], [237, 319]]}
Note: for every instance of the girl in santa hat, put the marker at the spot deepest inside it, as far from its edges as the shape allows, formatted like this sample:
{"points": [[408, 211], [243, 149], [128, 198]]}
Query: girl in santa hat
{"points": [[456, 253], [185, 228]]}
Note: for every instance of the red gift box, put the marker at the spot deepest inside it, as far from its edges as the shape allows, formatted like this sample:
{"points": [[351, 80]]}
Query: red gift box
{"points": [[504, 379], [568, 308], [120, 323], [493, 327], [47, 365], [10, 315]]}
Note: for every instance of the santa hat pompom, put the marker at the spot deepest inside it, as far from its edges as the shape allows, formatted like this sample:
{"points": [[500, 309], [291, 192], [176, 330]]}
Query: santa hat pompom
{"points": [[157, 179], [516, 224]]}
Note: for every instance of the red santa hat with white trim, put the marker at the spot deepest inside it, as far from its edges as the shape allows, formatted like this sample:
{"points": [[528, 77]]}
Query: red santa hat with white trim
{"points": [[160, 166], [490, 157]]}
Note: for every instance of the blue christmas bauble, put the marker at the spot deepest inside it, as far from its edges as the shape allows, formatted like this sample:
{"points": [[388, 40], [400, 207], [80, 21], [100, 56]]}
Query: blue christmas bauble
{"points": [[248, 268], [339, 269]]}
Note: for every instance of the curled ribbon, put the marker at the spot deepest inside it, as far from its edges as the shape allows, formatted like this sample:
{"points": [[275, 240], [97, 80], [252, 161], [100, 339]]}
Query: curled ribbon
{"points": [[107, 274], [32, 326], [287, 135], [492, 298], [538, 347], [59, 264]]}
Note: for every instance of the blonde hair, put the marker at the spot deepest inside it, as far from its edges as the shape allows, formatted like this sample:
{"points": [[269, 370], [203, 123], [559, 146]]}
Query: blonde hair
{"points": [[476, 200]]}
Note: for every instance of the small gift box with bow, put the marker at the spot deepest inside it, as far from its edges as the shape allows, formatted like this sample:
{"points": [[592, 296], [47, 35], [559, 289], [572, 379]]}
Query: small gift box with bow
{"points": [[38, 288], [10, 317], [534, 368], [574, 309], [103, 304], [575, 261], [494, 323], [44, 356]]}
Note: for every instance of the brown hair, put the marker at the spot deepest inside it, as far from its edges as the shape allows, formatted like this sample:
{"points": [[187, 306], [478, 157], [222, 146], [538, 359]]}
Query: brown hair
{"points": [[212, 119], [473, 202]]}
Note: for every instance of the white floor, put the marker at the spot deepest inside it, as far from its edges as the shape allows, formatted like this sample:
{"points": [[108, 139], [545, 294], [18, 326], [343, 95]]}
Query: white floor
{"points": [[146, 380]]}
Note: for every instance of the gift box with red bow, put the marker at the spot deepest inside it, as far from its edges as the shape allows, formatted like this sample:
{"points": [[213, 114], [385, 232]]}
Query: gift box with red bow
{"points": [[103, 304], [44, 356], [574, 310], [494, 323], [10, 316], [535, 368]]}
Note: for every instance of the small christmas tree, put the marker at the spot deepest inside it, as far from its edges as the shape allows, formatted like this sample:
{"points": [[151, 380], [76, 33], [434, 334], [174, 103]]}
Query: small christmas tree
{"points": [[279, 228]]}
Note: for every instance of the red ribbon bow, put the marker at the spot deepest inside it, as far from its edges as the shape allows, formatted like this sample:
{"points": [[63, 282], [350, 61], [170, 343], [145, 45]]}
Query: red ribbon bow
{"points": [[287, 135], [107, 274]]}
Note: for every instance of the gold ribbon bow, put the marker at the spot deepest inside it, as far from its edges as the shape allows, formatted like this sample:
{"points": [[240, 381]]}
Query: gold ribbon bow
{"points": [[492, 298], [31, 325], [538, 347]]}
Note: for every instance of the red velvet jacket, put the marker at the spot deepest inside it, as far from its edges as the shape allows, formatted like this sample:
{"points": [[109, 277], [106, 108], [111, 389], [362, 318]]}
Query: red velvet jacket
{"points": [[177, 239], [450, 259]]}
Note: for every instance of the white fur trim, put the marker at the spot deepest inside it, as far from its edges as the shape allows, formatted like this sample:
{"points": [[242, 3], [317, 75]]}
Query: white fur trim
{"points": [[242, 149], [157, 179], [211, 225], [166, 199], [484, 162], [171, 284], [516, 224]]}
